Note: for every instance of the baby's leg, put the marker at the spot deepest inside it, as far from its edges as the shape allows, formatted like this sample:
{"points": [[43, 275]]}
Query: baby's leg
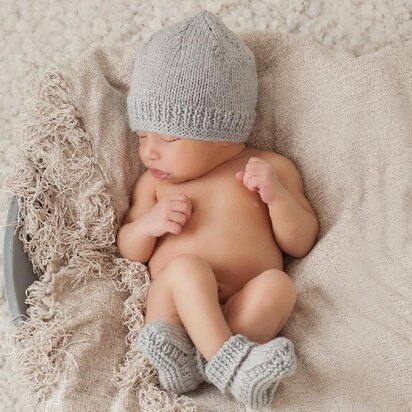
{"points": [[262, 307], [185, 293], [182, 299]]}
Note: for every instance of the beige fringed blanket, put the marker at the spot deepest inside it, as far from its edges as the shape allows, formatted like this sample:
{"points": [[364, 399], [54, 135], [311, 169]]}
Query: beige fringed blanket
{"points": [[346, 123]]}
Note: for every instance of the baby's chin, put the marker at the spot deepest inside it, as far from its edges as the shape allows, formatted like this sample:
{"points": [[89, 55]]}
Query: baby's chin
{"points": [[178, 180]]}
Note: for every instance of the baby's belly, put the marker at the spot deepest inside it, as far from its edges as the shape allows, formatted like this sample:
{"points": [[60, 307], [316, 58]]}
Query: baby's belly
{"points": [[230, 227], [234, 259]]}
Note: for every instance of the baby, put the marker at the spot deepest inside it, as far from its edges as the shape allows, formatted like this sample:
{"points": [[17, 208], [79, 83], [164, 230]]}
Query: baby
{"points": [[211, 217]]}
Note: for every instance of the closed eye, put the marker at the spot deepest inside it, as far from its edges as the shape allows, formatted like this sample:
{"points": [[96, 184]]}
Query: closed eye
{"points": [[169, 141]]}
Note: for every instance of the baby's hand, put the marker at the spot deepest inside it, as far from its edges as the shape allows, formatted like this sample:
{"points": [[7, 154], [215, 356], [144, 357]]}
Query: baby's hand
{"points": [[260, 176], [169, 215]]}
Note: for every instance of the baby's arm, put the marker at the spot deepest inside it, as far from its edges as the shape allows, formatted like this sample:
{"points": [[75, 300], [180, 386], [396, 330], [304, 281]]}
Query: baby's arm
{"points": [[133, 238], [149, 218], [295, 225]]}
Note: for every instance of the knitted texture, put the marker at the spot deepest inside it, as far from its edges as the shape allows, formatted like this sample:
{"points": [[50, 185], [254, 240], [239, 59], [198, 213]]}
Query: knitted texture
{"points": [[251, 372], [171, 351], [229, 356], [194, 79], [201, 365]]}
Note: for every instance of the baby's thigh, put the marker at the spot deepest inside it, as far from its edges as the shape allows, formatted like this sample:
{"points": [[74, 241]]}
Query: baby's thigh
{"points": [[160, 304]]}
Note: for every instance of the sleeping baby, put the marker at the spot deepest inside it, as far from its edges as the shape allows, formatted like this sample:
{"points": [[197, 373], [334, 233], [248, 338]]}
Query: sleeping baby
{"points": [[210, 217]]}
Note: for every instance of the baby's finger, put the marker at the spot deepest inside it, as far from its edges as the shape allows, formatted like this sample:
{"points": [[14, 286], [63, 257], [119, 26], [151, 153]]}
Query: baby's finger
{"points": [[239, 175], [253, 183], [183, 207], [178, 217], [178, 196]]}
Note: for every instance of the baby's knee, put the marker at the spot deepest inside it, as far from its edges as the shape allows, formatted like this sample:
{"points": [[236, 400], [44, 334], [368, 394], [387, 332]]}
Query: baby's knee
{"points": [[279, 286], [187, 261], [187, 268]]}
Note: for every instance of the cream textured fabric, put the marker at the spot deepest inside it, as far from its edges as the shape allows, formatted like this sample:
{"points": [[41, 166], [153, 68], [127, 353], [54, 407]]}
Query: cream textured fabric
{"points": [[346, 123]]}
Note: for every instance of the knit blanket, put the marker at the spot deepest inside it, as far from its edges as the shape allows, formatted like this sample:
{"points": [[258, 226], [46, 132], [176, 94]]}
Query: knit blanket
{"points": [[346, 123]]}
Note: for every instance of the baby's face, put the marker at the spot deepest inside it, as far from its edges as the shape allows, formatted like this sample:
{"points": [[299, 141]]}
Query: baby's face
{"points": [[181, 158]]}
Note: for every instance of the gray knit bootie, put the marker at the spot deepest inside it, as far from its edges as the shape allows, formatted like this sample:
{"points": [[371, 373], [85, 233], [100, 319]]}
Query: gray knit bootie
{"points": [[251, 372], [170, 350], [201, 365]]}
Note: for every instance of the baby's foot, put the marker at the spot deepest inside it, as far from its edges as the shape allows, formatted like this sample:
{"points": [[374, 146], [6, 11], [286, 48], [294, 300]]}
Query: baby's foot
{"points": [[249, 371], [259, 375], [201, 365], [171, 351]]}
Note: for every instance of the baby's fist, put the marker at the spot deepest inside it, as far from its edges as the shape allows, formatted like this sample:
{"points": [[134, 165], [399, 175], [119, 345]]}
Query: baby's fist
{"points": [[260, 176]]}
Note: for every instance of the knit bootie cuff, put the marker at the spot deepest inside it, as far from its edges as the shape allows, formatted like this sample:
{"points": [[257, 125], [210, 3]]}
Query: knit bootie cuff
{"points": [[201, 362], [171, 351], [225, 361]]}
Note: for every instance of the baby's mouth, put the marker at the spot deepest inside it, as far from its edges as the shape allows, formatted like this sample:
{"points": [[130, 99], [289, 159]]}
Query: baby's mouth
{"points": [[158, 174]]}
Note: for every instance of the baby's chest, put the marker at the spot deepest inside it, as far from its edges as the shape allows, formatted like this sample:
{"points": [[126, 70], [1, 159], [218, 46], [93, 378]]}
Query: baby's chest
{"points": [[221, 206], [227, 223]]}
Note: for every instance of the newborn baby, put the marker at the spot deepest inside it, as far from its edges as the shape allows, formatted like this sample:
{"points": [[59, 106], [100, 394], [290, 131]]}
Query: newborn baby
{"points": [[211, 217]]}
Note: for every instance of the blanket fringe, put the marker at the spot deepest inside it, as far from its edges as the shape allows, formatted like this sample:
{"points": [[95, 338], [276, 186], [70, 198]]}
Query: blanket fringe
{"points": [[61, 224]]}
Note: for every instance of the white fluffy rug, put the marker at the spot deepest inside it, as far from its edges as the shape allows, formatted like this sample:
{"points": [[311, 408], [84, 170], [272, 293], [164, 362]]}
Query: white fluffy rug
{"points": [[34, 35]]}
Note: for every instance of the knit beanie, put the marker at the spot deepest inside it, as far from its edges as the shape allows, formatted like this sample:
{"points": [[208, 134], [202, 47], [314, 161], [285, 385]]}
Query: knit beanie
{"points": [[194, 79]]}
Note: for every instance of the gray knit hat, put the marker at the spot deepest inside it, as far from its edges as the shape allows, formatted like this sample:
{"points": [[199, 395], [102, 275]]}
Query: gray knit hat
{"points": [[194, 79]]}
